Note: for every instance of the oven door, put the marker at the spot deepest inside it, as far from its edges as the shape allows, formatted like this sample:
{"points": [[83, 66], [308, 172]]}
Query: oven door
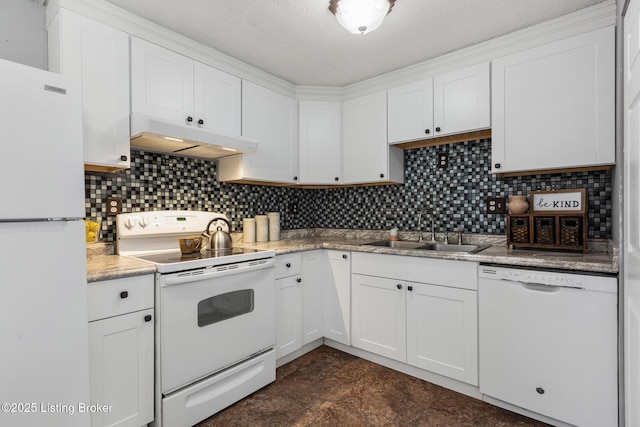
{"points": [[211, 319]]}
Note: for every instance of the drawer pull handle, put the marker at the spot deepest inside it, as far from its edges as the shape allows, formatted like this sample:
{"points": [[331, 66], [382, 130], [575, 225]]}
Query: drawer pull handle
{"points": [[540, 390], [147, 318], [124, 294]]}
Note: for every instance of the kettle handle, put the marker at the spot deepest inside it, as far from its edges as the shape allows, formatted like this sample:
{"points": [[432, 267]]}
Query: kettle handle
{"points": [[208, 231]]}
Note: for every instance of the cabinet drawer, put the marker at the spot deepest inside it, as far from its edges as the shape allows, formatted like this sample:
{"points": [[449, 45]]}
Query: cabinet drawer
{"points": [[119, 296], [287, 265]]}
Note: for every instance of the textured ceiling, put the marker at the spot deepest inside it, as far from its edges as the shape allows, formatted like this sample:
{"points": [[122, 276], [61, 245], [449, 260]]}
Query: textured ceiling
{"points": [[301, 41]]}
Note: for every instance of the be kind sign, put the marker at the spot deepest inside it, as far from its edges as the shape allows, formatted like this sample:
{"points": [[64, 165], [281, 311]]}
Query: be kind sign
{"points": [[559, 201]]}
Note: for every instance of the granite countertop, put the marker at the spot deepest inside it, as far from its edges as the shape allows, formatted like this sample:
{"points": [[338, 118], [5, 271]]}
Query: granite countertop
{"points": [[602, 257]]}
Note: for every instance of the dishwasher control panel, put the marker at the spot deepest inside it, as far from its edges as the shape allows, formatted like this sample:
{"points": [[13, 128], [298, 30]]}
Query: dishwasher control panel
{"points": [[550, 278]]}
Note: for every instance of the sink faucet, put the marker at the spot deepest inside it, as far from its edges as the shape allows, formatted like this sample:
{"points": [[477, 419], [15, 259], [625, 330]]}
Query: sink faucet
{"points": [[430, 215]]}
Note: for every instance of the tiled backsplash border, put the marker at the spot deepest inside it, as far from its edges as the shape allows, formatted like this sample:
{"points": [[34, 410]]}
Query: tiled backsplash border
{"points": [[457, 194]]}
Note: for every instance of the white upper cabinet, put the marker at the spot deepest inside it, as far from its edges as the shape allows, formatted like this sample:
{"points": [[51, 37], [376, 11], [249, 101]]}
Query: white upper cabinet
{"points": [[320, 142], [410, 115], [175, 88], [461, 100], [449, 103], [366, 156], [271, 119], [553, 106], [97, 56]]}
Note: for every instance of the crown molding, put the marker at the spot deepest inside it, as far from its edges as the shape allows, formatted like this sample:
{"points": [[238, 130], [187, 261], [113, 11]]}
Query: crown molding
{"points": [[137, 26], [588, 19]]}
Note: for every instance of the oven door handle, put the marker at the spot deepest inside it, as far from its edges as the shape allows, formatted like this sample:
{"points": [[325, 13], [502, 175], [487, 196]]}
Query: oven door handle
{"points": [[215, 272]]}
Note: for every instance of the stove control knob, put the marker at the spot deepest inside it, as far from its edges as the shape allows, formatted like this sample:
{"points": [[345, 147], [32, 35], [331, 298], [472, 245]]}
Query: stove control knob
{"points": [[143, 222], [129, 223]]}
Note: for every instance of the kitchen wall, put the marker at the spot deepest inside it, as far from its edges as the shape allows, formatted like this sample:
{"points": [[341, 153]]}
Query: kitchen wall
{"points": [[23, 37], [457, 194]]}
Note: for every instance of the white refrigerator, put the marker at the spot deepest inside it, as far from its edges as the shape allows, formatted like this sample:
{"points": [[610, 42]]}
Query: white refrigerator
{"points": [[44, 366]]}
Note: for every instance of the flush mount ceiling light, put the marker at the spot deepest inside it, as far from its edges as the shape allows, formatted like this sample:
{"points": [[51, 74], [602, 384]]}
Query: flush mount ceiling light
{"points": [[360, 16]]}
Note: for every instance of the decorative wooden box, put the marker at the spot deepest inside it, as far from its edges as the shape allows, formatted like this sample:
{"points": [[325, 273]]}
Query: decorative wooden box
{"points": [[556, 220]]}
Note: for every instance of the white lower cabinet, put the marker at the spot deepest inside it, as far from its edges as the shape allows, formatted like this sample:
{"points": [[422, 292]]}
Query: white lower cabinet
{"points": [[298, 301], [378, 316], [442, 330], [121, 351], [432, 326], [336, 282]]}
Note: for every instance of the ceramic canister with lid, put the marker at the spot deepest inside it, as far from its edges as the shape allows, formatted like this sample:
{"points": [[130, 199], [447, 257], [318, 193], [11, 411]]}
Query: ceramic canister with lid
{"points": [[249, 230], [262, 228], [274, 225]]}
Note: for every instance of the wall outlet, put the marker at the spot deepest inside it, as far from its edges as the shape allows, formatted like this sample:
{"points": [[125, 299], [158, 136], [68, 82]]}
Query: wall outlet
{"points": [[293, 207], [443, 160], [114, 205], [496, 205]]}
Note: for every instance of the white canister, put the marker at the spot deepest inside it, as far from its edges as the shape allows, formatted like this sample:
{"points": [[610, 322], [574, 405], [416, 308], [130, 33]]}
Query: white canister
{"points": [[274, 225], [249, 230], [262, 228]]}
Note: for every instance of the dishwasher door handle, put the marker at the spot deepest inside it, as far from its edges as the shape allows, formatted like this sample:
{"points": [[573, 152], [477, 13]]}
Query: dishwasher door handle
{"points": [[542, 287]]}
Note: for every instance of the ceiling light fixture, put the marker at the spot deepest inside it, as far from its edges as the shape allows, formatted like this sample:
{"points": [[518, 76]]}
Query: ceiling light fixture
{"points": [[360, 16]]}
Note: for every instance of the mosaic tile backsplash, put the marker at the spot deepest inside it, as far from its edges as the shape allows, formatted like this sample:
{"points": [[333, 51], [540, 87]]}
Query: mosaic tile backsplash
{"points": [[457, 195]]}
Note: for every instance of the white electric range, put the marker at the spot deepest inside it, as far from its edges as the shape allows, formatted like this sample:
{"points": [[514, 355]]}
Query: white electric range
{"points": [[215, 315]]}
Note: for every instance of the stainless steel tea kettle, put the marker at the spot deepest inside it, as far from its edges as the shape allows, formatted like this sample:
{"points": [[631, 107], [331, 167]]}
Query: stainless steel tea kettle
{"points": [[220, 240]]}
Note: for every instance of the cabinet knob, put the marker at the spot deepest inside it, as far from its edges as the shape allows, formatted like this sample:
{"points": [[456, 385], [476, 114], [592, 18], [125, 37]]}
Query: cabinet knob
{"points": [[497, 166], [409, 288], [298, 280], [336, 178], [124, 294], [540, 390], [399, 286], [438, 129], [200, 122], [344, 256], [288, 265], [189, 120], [123, 158], [381, 175], [147, 318], [295, 178], [427, 131]]}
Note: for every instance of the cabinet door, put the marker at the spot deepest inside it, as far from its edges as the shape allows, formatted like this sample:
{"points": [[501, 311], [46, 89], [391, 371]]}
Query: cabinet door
{"points": [[553, 106], [121, 369], [365, 152], [410, 115], [320, 142], [442, 331], [217, 100], [462, 100], [98, 56], [288, 315], [271, 119], [378, 317], [337, 296], [311, 293], [161, 82]]}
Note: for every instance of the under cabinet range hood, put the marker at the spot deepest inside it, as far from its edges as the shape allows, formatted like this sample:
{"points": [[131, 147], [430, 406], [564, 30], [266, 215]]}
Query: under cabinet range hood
{"points": [[156, 135]]}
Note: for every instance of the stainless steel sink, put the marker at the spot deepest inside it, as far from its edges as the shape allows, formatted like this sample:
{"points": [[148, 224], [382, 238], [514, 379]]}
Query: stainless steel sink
{"points": [[396, 244], [400, 244], [453, 247]]}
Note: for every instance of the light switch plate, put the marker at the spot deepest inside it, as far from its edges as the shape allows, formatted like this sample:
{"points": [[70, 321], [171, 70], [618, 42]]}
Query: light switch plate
{"points": [[496, 205]]}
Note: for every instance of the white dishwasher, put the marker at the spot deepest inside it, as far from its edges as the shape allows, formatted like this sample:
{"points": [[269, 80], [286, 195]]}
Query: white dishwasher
{"points": [[548, 343]]}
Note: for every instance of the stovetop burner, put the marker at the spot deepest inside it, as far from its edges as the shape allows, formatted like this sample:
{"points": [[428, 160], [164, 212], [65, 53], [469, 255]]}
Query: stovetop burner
{"points": [[174, 257]]}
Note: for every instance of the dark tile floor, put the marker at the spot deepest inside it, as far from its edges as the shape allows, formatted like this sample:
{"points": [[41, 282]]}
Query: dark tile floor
{"points": [[327, 387]]}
